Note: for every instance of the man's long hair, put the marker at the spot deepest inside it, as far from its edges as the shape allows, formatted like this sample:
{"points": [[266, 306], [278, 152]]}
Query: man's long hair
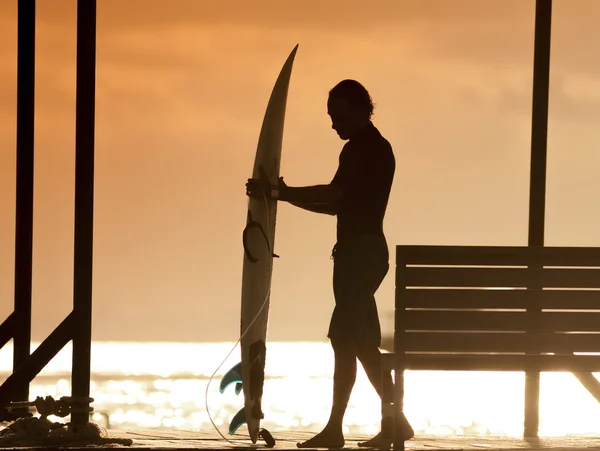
{"points": [[355, 93]]}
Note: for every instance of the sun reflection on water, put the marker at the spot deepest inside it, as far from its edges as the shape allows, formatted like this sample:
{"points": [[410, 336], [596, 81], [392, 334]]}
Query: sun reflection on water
{"points": [[162, 385]]}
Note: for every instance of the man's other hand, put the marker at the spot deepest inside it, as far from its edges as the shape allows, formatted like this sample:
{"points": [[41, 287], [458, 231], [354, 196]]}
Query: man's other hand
{"points": [[258, 189]]}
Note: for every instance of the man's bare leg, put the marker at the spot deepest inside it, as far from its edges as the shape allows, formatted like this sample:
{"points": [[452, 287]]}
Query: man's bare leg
{"points": [[370, 358], [344, 377]]}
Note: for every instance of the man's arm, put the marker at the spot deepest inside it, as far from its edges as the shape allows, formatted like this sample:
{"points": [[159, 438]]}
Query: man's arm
{"points": [[318, 194], [327, 209]]}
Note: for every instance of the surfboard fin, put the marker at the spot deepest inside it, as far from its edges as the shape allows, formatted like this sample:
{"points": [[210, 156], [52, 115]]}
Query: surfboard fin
{"points": [[233, 376], [238, 388], [238, 420]]}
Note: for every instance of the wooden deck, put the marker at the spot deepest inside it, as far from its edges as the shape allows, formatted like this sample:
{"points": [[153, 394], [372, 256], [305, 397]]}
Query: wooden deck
{"points": [[180, 440]]}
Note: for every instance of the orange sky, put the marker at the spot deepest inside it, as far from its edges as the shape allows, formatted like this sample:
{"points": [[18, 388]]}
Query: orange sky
{"points": [[181, 90]]}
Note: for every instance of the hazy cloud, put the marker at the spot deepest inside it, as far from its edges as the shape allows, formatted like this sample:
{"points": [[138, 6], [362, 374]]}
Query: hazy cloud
{"points": [[568, 101], [355, 14]]}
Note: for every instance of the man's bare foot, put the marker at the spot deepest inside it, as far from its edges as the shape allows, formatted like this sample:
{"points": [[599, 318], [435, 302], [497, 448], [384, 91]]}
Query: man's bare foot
{"points": [[375, 442], [327, 438]]}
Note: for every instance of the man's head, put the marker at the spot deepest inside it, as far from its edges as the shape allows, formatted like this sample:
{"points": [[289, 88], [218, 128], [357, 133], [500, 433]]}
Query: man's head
{"points": [[350, 107]]}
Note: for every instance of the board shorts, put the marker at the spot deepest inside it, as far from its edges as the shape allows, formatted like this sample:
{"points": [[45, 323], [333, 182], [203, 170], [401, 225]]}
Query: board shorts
{"points": [[360, 264]]}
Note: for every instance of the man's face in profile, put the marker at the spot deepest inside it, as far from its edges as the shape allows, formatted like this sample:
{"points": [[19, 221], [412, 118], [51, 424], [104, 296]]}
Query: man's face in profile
{"points": [[345, 120]]}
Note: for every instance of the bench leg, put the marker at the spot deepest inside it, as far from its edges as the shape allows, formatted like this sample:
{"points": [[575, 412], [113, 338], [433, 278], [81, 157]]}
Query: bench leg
{"points": [[400, 422], [387, 404]]}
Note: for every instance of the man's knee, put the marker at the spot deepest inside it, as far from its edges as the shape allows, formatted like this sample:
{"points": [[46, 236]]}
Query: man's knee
{"points": [[368, 354]]}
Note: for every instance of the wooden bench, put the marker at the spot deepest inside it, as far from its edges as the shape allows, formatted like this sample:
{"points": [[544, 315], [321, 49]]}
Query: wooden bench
{"points": [[492, 309]]}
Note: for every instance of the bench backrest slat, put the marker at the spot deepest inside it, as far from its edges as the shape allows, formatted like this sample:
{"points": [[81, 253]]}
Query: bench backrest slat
{"points": [[499, 277], [498, 255], [462, 342], [501, 299], [465, 320]]}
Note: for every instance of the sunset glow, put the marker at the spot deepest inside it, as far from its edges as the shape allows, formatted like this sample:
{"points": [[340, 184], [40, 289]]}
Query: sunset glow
{"points": [[181, 90]]}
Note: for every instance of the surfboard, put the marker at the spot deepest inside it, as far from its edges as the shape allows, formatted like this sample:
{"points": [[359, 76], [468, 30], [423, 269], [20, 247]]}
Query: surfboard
{"points": [[258, 242]]}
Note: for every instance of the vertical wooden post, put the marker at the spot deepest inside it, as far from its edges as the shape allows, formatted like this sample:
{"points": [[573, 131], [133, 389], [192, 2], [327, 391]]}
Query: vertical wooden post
{"points": [[21, 330], [537, 190], [84, 206]]}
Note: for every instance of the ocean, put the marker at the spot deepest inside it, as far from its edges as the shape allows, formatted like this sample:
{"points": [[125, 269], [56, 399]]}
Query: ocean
{"points": [[164, 385]]}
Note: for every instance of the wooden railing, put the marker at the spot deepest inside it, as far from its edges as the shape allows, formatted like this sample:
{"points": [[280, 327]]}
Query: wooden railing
{"points": [[77, 325]]}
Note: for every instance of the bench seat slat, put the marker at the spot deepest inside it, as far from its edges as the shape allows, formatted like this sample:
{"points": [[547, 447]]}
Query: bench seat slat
{"points": [[567, 363]]}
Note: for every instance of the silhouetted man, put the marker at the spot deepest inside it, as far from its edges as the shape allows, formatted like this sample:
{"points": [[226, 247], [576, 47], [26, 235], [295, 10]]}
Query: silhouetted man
{"points": [[358, 195]]}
